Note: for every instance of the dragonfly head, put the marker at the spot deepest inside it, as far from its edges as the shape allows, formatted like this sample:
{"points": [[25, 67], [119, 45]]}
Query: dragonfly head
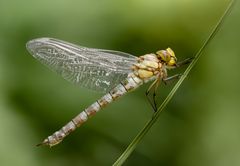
{"points": [[168, 57]]}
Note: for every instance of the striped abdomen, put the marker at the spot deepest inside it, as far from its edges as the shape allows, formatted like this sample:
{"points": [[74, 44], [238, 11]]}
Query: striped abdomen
{"points": [[132, 82]]}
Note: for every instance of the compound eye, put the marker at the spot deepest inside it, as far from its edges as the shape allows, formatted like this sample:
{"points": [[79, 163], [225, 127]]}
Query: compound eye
{"points": [[172, 62], [164, 55]]}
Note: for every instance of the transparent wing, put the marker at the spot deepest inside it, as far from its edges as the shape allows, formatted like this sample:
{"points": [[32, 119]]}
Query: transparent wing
{"points": [[96, 69]]}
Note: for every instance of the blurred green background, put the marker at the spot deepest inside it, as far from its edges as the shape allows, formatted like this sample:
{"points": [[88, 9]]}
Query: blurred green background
{"points": [[201, 124]]}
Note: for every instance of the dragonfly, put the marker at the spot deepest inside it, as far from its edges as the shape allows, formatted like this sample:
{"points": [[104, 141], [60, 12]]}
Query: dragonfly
{"points": [[111, 72]]}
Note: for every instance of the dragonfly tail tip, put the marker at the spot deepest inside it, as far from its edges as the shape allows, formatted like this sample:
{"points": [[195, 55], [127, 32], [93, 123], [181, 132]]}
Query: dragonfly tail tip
{"points": [[39, 144], [45, 142]]}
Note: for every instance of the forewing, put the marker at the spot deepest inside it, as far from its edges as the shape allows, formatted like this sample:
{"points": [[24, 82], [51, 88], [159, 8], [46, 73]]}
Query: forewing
{"points": [[96, 69]]}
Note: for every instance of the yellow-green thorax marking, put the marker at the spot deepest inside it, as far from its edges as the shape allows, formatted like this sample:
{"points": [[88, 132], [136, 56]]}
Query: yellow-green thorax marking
{"points": [[151, 66]]}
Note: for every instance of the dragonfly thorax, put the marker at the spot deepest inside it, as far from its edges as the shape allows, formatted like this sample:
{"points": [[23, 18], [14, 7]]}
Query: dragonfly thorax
{"points": [[152, 66], [148, 66]]}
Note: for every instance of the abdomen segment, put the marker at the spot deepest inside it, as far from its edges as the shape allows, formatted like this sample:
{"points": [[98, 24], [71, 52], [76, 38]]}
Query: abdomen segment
{"points": [[130, 83]]}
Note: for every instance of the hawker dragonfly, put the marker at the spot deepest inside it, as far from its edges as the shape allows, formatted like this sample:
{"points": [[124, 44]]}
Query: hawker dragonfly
{"points": [[112, 72]]}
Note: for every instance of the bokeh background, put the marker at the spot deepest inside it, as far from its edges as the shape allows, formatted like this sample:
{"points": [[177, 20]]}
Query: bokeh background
{"points": [[201, 124]]}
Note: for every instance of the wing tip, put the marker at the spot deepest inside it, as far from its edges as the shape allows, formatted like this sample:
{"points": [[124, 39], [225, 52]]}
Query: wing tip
{"points": [[31, 45], [33, 42]]}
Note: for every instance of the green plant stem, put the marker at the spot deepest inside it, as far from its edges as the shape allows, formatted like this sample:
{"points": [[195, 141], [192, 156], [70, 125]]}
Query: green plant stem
{"points": [[156, 115]]}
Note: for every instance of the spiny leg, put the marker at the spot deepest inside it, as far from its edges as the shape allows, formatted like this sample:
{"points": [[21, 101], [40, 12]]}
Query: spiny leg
{"points": [[151, 87], [177, 76], [155, 84], [151, 102], [171, 78], [184, 62], [155, 93], [148, 92]]}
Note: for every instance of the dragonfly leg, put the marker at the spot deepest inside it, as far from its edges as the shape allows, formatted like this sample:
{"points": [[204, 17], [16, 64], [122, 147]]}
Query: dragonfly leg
{"points": [[151, 103], [155, 93], [171, 78], [151, 87], [184, 62], [152, 99], [148, 93]]}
